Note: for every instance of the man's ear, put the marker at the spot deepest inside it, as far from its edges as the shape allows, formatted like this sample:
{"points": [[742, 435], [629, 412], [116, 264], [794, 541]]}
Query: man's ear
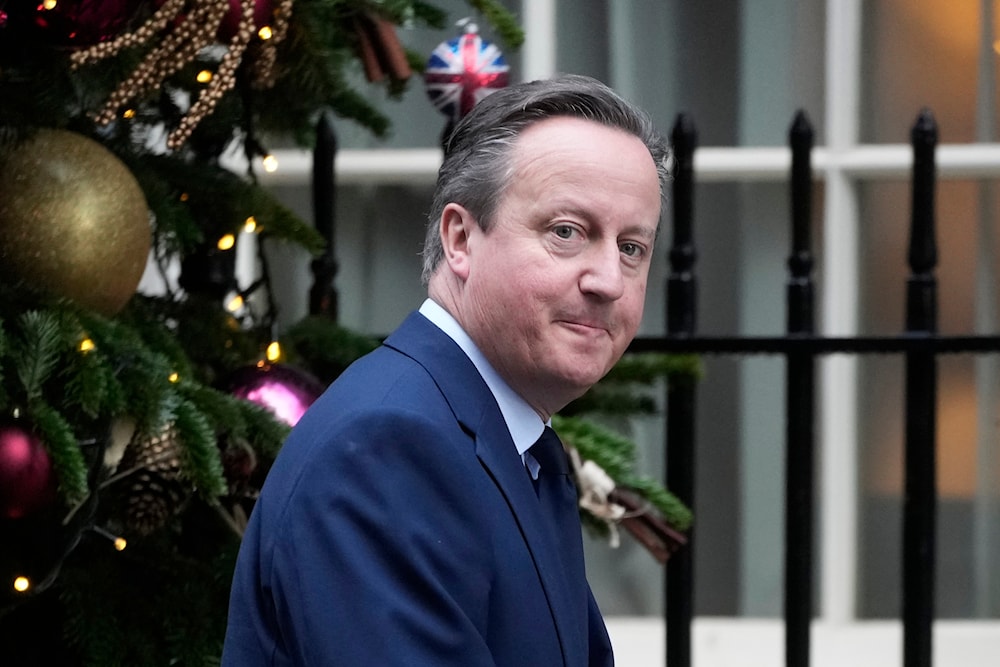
{"points": [[457, 229]]}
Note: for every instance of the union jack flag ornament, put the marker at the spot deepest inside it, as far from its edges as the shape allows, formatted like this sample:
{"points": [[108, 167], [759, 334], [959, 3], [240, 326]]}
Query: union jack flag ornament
{"points": [[462, 71]]}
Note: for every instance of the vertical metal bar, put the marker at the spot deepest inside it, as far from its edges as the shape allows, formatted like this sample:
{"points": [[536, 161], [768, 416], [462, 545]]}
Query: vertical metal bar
{"points": [[799, 419], [323, 294], [680, 455], [921, 397]]}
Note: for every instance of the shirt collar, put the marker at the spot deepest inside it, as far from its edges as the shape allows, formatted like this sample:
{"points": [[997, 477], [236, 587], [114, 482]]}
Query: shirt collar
{"points": [[523, 422]]}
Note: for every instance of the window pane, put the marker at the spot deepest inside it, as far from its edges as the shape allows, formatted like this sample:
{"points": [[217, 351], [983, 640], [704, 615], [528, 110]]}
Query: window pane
{"points": [[967, 443], [916, 54]]}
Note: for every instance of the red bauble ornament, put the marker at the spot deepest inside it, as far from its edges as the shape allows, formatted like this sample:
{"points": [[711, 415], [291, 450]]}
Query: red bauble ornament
{"points": [[27, 483], [75, 23], [263, 14], [284, 390]]}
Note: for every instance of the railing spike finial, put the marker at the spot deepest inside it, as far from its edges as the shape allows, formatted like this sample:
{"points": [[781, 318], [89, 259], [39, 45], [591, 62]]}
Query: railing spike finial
{"points": [[923, 247], [681, 285], [800, 139]]}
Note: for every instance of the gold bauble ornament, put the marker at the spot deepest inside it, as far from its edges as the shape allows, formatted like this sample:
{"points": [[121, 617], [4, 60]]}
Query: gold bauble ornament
{"points": [[73, 221]]}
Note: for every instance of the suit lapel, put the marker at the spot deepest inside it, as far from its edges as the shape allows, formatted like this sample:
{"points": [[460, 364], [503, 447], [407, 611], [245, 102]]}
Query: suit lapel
{"points": [[477, 412], [569, 615]]}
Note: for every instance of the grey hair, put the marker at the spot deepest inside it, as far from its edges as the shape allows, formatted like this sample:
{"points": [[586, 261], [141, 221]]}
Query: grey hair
{"points": [[478, 154]]}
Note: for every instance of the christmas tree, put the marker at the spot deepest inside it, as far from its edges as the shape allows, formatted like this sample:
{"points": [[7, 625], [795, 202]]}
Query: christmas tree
{"points": [[136, 428]]}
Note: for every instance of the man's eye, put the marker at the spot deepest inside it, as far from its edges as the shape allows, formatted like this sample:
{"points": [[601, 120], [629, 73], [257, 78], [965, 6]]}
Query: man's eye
{"points": [[631, 249], [564, 231]]}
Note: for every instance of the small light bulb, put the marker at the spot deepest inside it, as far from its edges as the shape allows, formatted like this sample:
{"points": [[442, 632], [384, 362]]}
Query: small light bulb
{"points": [[270, 163], [21, 584], [274, 351], [250, 226], [204, 76], [49, 4], [117, 540], [174, 377], [128, 114], [235, 304], [227, 242], [86, 345], [184, 196]]}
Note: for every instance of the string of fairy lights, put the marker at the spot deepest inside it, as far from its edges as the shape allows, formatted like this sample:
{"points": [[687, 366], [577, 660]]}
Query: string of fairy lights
{"points": [[23, 583], [184, 29]]}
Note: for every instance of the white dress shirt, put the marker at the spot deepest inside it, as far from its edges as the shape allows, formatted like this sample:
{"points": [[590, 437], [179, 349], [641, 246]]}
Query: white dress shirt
{"points": [[523, 422]]}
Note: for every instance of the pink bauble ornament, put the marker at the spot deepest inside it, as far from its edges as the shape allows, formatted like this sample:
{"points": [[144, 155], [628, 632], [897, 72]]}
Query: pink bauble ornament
{"points": [[263, 14], [27, 483], [284, 390]]}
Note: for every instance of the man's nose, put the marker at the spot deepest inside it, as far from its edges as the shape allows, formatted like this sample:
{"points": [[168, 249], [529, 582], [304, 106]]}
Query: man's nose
{"points": [[603, 276]]}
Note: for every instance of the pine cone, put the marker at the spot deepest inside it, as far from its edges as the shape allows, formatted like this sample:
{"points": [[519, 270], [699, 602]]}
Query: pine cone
{"points": [[153, 490]]}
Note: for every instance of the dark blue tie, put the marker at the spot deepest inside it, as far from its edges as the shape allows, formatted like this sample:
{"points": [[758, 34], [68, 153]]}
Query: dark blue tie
{"points": [[557, 495], [558, 504]]}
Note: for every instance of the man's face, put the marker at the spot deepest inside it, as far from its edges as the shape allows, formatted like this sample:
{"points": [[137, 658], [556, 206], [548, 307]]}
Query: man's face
{"points": [[555, 289]]}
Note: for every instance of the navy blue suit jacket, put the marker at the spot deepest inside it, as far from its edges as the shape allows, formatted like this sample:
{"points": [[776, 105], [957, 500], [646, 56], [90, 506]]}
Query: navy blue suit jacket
{"points": [[398, 527]]}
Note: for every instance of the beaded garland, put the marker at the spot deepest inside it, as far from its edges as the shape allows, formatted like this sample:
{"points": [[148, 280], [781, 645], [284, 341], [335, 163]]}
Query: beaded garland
{"points": [[186, 35]]}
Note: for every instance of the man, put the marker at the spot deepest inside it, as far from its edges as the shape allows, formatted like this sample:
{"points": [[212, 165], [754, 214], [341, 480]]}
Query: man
{"points": [[400, 524]]}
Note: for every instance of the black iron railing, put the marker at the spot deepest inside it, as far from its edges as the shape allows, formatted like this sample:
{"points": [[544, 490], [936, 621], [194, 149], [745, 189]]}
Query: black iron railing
{"points": [[919, 344]]}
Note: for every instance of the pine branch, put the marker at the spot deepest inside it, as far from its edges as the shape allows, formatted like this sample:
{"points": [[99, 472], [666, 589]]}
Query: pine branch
{"points": [[91, 383], [429, 15], [64, 450], [502, 21], [616, 456], [315, 59], [218, 202], [609, 450], [265, 433], [231, 417], [144, 374], [648, 367], [669, 505], [222, 410], [38, 350], [201, 462], [325, 347], [612, 400]]}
